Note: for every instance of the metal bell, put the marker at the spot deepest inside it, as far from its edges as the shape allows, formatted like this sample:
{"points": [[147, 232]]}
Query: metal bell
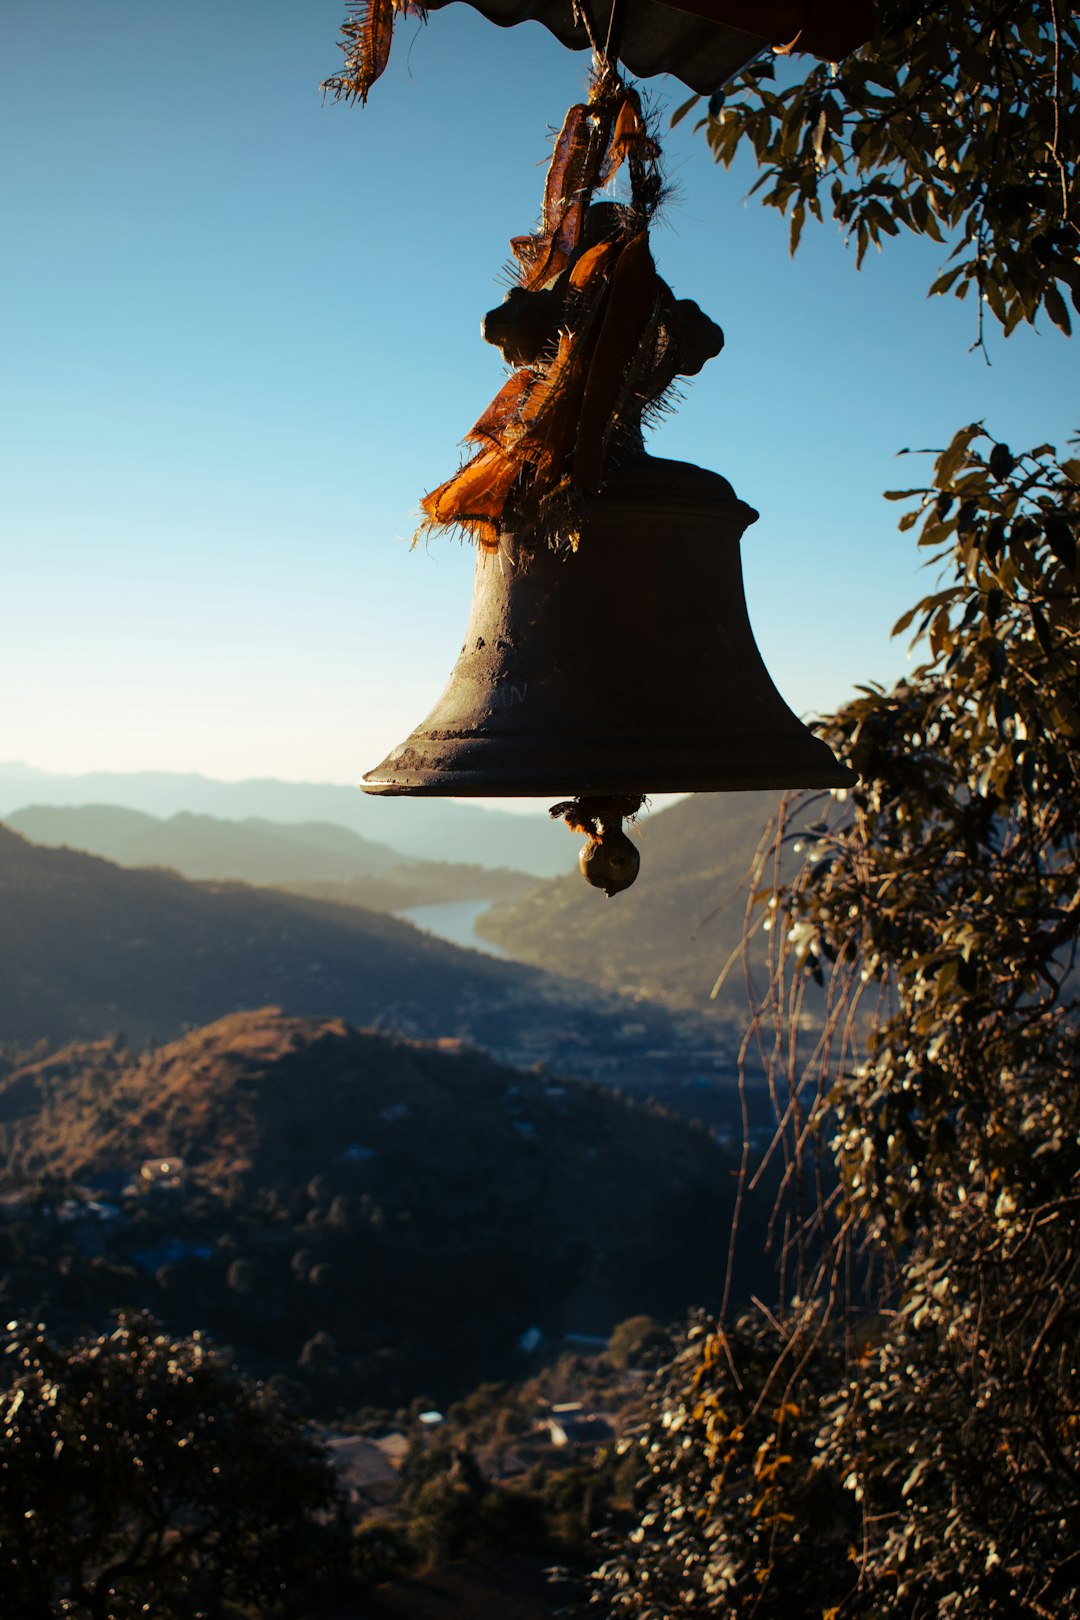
{"points": [[623, 667]]}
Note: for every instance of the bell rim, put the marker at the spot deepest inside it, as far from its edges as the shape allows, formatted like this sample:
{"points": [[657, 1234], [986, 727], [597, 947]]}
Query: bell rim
{"points": [[477, 774], [467, 787]]}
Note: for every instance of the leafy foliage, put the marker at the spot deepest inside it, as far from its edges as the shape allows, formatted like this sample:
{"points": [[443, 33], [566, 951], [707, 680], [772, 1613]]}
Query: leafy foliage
{"points": [[489, 1481], [949, 888], [740, 1515], [959, 123], [138, 1474], [931, 1427]]}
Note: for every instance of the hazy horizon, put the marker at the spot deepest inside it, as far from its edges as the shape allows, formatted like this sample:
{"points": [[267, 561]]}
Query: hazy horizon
{"points": [[21, 770]]}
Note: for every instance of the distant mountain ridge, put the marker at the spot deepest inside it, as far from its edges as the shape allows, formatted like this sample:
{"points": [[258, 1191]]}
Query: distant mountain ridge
{"points": [[420, 828], [201, 846], [324, 861]]}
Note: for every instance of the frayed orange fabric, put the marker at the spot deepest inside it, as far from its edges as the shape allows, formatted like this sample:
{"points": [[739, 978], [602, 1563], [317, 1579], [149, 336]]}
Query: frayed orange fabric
{"points": [[474, 498], [593, 265], [573, 174], [547, 435], [366, 38], [550, 418], [630, 310], [505, 410], [631, 138]]}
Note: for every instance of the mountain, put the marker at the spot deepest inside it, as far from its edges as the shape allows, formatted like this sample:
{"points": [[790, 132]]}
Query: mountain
{"points": [[200, 846], [415, 1210], [315, 857], [87, 947], [421, 828], [671, 934]]}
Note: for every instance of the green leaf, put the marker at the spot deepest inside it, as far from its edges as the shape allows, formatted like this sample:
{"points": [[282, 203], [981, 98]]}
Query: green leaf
{"points": [[949, 462], [1056, 308], [1060, 540], [798, 216], [943, 283], [1042, 629], [1002, 461], [681, 111]]}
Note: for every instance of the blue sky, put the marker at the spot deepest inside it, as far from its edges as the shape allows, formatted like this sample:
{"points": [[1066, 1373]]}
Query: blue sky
{"points": [[240, 340]]}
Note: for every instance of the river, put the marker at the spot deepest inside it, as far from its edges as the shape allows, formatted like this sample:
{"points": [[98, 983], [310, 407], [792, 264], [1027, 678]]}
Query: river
{"points": [[454, 920]]}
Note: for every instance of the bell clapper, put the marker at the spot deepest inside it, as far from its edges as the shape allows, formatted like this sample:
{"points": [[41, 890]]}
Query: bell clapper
{"points": [[608, 861]]}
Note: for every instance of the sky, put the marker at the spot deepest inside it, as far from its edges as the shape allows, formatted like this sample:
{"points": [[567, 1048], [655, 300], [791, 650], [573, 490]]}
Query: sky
{"points": [[240, 340]]}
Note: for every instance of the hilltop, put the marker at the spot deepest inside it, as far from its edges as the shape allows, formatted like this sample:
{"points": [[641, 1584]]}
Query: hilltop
{"points": [[420, 1210], [671, 934]]}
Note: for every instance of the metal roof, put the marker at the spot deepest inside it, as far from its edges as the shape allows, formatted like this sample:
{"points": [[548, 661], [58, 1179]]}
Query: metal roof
{"points": [[655, 38]]}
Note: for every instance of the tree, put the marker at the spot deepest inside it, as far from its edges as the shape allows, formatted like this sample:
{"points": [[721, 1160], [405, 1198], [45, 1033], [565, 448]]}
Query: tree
{"points": [[902, 1437], [631, 1340], [138, 1475], [956, 122], [938, 907], [739, 1516]]}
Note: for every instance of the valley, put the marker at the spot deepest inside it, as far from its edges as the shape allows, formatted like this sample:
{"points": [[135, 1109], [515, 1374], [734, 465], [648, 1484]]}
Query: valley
{"points": [[440, 1201]]}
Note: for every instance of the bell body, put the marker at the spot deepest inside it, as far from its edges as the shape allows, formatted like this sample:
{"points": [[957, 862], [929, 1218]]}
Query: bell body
{"points": [[626, 666]]}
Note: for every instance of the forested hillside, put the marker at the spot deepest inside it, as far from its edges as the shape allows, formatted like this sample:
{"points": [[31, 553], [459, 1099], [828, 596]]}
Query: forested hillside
{"points": [[367, 1215]]}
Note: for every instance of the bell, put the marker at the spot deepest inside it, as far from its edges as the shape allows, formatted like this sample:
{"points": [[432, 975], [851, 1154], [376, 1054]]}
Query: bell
{"points": [[623, 667]]}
